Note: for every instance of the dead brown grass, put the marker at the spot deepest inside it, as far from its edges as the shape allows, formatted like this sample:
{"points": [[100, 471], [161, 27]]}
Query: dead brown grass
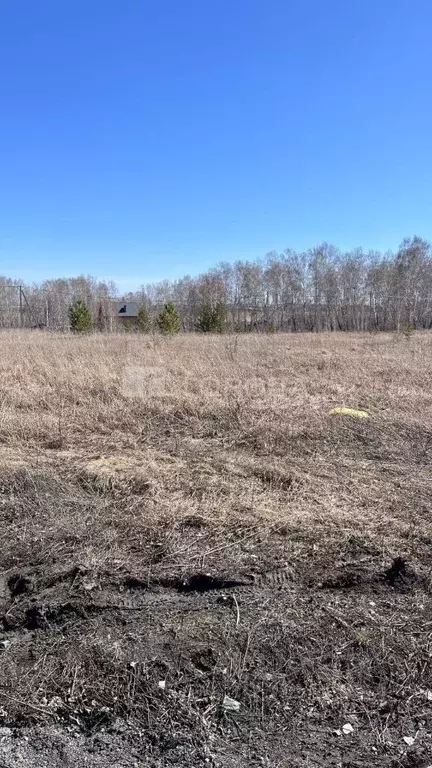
{"points": [[146, 461]]}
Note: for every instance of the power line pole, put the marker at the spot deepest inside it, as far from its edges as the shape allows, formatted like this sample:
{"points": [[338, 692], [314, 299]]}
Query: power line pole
{"points": [[21, 317]]}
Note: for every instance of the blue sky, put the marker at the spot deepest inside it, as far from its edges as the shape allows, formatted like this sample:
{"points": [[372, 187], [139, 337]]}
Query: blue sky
{"points": [[146, 139]]}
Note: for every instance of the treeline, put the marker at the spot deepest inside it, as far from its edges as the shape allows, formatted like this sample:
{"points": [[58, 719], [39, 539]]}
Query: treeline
{"points": [[323, 289]]}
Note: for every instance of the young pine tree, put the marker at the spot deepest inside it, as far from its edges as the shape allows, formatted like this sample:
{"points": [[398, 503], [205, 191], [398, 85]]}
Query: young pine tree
{"points": [[205, 319], [143, 320], [168, 320], [220, 318], [101, 322], [213, 319], [80, 317]]}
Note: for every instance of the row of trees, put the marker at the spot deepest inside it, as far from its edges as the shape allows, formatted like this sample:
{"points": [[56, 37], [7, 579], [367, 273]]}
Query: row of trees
{"points": [[320, 289], [211, 319], [81, 320]]}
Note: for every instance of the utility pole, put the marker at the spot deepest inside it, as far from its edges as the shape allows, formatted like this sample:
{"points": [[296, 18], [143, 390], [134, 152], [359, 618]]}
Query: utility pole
{"points": [[21, 317]]}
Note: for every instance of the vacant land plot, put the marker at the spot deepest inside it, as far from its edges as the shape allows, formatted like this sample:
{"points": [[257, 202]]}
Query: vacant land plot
{"points": [[183, 520]]}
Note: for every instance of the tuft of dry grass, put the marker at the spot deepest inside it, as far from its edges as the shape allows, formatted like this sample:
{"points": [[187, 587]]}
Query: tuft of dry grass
{"points": [[141, 476]]}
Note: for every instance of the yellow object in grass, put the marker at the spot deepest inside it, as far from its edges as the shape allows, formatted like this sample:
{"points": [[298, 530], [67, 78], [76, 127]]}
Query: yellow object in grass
{"points": [[349, 412]]}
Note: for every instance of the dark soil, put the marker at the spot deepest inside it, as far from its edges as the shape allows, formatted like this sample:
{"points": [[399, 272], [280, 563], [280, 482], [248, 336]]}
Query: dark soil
{"points": [[124, 625], [131, 673]]}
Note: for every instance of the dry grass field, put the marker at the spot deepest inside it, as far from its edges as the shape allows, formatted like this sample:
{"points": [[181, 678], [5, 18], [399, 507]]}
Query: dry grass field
{"points": [[183, 520]]}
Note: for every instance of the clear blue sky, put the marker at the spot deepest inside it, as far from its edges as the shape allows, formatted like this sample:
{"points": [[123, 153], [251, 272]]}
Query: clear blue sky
{"points": [[144, 139]]}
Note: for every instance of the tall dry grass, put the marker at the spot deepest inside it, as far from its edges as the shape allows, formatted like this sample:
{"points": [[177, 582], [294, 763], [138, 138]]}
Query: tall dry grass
{"points": [[230, 428], [287, 380]]}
